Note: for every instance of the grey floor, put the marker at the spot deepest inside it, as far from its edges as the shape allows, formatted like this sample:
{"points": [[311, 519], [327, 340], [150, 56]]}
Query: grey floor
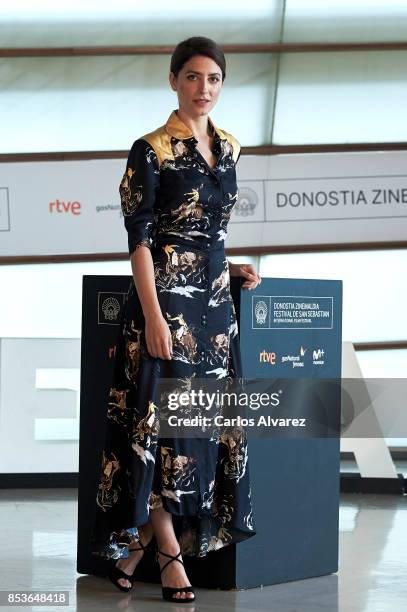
{"points": [[38, 547]]}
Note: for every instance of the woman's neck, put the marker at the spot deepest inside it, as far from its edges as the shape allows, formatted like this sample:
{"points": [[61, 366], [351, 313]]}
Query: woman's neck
{"points": [[200, 126]]}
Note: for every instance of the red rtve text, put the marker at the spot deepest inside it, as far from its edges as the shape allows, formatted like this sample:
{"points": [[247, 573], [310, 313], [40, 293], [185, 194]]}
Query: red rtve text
{"points": [[65, 207]]}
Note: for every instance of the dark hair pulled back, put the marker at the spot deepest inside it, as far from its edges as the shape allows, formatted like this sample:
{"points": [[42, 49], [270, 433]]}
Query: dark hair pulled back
{"points": [[197, 45]]}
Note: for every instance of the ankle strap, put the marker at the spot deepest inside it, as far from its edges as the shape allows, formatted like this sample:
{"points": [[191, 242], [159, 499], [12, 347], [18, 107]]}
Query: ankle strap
{"points": [[171, 559], [142, 546]]}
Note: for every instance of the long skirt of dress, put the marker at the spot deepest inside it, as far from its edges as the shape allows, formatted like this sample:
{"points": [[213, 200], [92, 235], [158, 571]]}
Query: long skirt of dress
{"points": [[203, 482]]}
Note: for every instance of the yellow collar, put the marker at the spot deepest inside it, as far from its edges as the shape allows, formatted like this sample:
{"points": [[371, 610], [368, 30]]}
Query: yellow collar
{"points": [[177, 128]]}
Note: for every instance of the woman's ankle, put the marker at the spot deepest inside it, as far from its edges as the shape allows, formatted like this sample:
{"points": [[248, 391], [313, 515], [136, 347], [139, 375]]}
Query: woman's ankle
{"points": [[143, 540], [146, 533], [169, 548]]}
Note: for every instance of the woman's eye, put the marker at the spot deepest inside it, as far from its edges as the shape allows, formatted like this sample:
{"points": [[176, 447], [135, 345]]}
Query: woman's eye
{"points": [[190, 77]]}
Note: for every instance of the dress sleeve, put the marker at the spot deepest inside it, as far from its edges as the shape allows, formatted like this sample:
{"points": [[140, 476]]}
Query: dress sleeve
{"points": [[138, 193]]}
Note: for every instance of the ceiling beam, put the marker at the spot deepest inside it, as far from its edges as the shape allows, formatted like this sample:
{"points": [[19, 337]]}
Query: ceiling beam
{"points": [[320, 47]]}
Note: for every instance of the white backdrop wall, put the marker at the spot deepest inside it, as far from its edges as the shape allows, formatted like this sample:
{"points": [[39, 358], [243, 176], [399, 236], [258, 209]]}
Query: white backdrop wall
{"points": [[73, 206]]}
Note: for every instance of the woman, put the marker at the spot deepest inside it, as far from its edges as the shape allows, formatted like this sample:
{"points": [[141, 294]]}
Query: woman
{"points": [[179, 322]]}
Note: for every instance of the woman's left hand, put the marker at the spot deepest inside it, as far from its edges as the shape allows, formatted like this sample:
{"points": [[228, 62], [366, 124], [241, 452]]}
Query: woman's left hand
{"points": [[247, 270]]}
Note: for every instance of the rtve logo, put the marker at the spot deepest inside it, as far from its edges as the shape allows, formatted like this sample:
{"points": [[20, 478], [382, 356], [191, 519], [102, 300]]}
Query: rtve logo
{"points": [[60, 206], [266, 357]]}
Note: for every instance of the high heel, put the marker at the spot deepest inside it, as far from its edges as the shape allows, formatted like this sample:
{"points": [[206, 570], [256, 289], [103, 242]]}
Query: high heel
{"points": [[116, 573], [169, 592]]}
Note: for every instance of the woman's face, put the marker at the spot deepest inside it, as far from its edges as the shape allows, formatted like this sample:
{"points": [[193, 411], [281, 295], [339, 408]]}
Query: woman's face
{"points": [[198, 85]]}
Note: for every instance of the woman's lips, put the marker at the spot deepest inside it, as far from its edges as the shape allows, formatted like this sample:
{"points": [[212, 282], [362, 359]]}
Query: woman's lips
{"points": [[201, 102]]}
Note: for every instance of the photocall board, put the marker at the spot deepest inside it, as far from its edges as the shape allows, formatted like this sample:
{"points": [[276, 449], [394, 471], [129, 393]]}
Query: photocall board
{"points": [[291, 336], [295, 482]]}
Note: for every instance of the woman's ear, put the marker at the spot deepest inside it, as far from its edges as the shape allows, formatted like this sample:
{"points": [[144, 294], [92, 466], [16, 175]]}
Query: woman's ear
{"points": [[173, 81]]}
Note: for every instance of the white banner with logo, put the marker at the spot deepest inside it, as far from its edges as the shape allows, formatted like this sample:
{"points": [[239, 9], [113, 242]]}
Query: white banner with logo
{"points": [[73, 207]]}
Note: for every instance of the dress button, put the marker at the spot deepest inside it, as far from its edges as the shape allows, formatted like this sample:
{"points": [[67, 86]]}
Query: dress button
{"points": [[202, 353], [208, 244]]}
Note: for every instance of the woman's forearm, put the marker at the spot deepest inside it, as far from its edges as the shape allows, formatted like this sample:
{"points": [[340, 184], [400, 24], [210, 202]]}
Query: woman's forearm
{"points": [[143, 275]]}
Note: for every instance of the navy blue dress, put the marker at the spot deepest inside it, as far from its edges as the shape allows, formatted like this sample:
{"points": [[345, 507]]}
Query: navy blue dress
{"points": [[177, 206]]}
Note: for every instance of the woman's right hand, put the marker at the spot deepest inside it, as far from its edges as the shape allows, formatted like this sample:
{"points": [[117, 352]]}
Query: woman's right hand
{"points": [[158, 336]]}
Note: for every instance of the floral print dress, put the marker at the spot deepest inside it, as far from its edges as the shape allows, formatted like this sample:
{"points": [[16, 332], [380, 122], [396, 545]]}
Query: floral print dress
{"points": [[177, 206]]}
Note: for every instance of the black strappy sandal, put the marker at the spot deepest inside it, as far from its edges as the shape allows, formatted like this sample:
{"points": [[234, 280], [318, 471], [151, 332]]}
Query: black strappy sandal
{"points": [[116, 573], [169, 592]]}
